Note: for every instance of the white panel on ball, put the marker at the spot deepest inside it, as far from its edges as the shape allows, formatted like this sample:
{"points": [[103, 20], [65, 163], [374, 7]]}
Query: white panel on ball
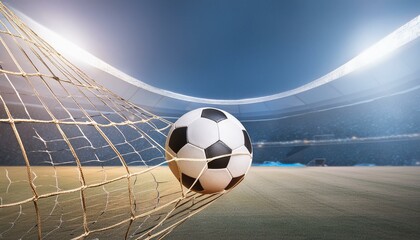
{"points": [[231, 134], [191, 151], [215, 180], [192, 168], [239, 164], [188, 118], [203, 133], [198, 161]]}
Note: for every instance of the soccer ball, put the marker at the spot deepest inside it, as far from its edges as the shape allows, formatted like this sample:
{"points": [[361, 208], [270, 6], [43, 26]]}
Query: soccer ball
{"points": [[210, 149]]}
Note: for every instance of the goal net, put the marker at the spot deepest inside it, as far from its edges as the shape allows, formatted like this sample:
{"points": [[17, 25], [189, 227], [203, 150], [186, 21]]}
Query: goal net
{"points": [[76, 160]]}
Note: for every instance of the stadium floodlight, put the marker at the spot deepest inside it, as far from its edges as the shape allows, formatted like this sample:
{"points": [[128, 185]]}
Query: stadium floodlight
{"points": [[403, 35]]}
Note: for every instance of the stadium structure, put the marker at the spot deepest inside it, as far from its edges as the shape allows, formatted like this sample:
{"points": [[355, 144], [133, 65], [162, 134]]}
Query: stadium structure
{"points": [[328, 117]]}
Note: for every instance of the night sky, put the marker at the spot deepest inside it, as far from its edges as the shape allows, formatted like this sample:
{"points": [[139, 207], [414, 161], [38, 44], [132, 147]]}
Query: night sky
{"points": [[223, 49]]}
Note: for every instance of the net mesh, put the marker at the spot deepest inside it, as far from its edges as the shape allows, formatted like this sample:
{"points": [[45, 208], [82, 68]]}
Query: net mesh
{"points": [[77, 161]]}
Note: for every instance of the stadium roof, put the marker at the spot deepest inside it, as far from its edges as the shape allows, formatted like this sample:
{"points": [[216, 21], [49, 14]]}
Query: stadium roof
{"points": [[389, 67]]}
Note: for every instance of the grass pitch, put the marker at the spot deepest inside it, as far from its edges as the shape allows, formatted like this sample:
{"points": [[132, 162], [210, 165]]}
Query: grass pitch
{"points": [[271, 203], [314, 203]]}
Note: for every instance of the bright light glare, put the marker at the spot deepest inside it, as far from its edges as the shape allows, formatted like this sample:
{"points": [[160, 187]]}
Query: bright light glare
{"points": [[393, 41], [71, 50]]}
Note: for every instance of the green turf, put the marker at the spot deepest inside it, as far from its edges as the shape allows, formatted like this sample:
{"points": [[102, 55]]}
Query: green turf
{"points": [[314, 203]]}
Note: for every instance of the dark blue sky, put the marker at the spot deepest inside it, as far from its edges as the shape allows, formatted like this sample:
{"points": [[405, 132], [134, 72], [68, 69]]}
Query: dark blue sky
{"points": [[223, 49]]}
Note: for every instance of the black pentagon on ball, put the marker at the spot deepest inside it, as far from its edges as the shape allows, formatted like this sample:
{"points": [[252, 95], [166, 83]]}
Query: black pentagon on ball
{"points": [[213, 114], [247, 141], [188, 181], [215, 150], [178, 139], [234, 182]]}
